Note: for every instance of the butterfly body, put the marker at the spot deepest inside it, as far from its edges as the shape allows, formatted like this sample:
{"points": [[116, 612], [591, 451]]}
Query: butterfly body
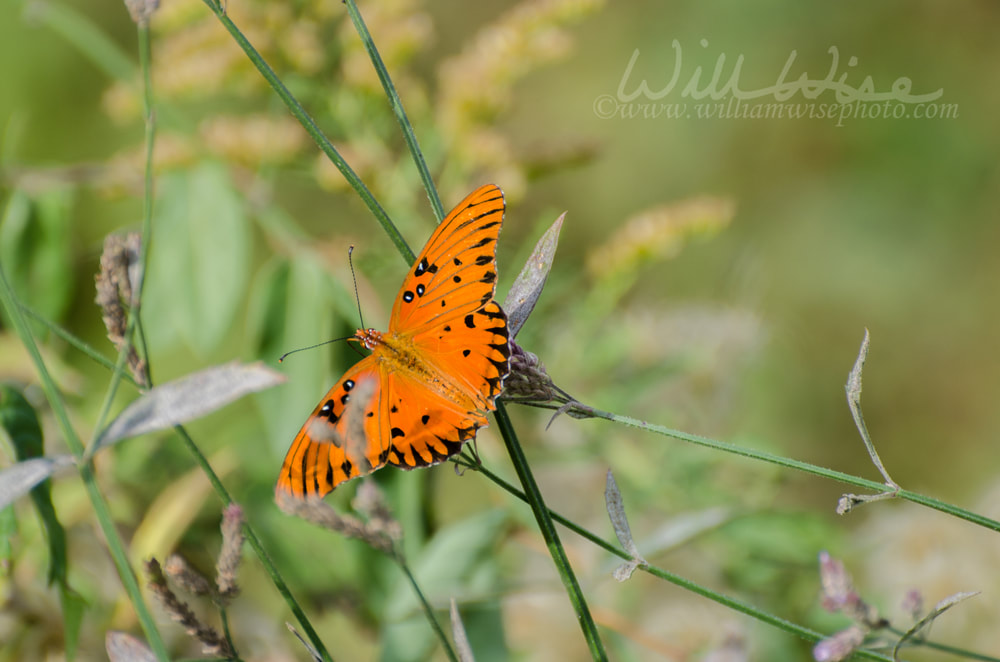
{"points": [[430, 379]]}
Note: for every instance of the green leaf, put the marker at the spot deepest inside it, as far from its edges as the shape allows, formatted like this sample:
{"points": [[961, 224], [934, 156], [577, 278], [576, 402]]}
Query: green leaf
{"points": [[35, 250], [20, 421], [293, 305], [199, 262]]}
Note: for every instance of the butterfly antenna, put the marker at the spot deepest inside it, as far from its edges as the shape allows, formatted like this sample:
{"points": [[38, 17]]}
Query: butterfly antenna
{"points": [[302, 349], [355, 279]]}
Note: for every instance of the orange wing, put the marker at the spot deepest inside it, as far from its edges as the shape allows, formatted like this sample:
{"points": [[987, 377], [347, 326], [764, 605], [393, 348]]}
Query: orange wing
{"points": [[341, 439], [431, 379], [446, 301]]}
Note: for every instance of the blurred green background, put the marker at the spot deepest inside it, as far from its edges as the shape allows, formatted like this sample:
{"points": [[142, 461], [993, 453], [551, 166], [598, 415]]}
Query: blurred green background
{"points": [[714, 275]]}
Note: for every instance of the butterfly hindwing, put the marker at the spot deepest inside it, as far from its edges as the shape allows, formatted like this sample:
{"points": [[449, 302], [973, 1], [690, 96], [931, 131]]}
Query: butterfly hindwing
{"points": [[426, 427], [341, 438]]}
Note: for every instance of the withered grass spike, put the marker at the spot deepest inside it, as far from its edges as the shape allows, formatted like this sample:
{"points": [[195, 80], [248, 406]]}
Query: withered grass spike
{"points": [[179, 611], [115, 293], [141, 11], [370, 502], [318, 512], [229, 556], [187, 578]]}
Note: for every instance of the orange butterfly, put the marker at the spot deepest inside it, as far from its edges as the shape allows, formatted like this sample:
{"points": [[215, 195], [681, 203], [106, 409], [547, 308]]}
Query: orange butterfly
{"points": [[429, 381]]}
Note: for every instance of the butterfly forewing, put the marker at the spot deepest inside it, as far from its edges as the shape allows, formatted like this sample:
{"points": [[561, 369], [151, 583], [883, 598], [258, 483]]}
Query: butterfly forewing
{"points": [[456, 272]]}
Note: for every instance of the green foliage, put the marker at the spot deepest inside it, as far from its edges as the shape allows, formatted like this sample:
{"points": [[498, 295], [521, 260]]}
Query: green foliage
{"points": [[736, 322], [35, 243]]}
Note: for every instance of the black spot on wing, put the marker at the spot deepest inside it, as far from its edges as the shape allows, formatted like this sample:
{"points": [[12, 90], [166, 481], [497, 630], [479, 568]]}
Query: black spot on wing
{"points": [[470, 321], [396, 432]]}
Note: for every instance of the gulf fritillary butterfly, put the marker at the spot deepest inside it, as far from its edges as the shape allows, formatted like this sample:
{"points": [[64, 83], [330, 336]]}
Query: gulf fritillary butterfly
{"points": [[430, 379]]}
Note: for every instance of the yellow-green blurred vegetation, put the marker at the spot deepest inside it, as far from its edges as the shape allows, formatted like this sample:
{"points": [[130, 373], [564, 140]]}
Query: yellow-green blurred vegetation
{"points": [[714, 275]]}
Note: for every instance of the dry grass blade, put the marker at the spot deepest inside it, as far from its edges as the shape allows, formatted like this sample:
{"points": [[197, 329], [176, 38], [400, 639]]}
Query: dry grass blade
{"points": [[186, 399], [462, 646]]}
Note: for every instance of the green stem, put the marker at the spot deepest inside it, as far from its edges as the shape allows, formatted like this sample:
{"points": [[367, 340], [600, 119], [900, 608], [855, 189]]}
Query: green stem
{"points": [[944, 648], [101, 511], [732, 603], [397, 108], [549, 534], [314, 131], [428, 610], [72, 340], [806, 467]]}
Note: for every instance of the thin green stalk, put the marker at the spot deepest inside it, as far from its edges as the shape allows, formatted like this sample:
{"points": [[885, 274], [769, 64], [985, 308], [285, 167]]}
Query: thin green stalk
{"points": [[732, 603], [134, 305], [314, 131], [145, 62], [428, 610], [72, 340], [549, 534], [944, 648], [115, 545], [806, 467], [397, 108]]}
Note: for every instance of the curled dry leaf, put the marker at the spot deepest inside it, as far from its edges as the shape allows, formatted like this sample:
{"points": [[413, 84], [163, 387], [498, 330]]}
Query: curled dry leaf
{"points": [[616, 511]]}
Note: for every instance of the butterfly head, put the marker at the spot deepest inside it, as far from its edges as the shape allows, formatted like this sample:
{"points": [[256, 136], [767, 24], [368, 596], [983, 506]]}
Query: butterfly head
{"points": [[370, 338]]}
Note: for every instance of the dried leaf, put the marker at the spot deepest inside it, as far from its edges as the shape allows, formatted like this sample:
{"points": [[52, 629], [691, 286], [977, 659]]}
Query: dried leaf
{"points": [[616, 511], [123, 647], [186, 399], [18, 479], [853, 389], [524, 293]]}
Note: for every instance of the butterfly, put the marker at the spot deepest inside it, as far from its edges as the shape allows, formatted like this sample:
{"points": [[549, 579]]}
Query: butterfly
{"points": [[430, 379]]}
